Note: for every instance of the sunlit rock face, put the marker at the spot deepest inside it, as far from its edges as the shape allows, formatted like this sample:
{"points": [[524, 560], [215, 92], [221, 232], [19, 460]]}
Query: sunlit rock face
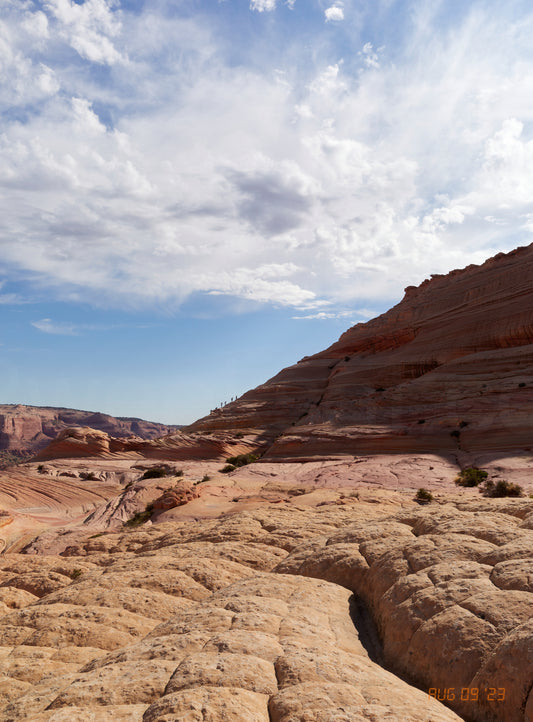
{"points": [[450, 368]]}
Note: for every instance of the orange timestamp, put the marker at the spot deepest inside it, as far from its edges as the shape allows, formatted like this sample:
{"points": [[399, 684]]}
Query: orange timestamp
{"points": [[468, 694]]}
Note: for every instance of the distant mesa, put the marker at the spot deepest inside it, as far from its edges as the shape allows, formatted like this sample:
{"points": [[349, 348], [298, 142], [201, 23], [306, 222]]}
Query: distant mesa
{"points": [[25, 430]]}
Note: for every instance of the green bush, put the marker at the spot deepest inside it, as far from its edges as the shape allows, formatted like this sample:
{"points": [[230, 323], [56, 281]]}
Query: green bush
{"points": [[423, 496], [227, 469], [75, 573], [471, 477], [502, 488], [155, 473], [242, 459]]}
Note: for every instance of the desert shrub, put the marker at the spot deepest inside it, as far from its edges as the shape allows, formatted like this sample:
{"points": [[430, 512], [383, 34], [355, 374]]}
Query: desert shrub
{"points": [[41, 469], [206, 478], [471, 477], [155, 473], [140, 517], [423, 496], [242, 459], [75, 573], [502, 488], [239, 435], [227, 469]]}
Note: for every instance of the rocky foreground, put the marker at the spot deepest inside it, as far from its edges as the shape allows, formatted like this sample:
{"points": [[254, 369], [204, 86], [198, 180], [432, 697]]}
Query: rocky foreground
{"points": [[342, 611]]}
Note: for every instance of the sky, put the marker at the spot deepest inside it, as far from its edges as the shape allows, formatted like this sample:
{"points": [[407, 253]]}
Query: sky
{"points": [[196, 194]]}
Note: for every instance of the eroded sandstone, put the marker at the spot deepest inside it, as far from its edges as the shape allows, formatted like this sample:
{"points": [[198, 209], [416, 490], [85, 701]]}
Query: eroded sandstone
{"points": [[253, 616]]}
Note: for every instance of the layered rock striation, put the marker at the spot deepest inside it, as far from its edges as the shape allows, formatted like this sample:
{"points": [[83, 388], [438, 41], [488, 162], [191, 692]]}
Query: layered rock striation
{"points": [[30, 428], [449, 369]]}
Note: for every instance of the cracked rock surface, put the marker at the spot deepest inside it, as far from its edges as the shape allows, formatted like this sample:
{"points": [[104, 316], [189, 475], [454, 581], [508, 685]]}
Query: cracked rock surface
{"points": [[270, 614]]}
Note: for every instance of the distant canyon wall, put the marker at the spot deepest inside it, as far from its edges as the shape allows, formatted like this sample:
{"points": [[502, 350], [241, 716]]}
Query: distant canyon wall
{"points": [[31, 428]]}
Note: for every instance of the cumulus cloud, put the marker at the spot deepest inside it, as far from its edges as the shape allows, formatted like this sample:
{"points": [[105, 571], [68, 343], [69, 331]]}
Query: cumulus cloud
{"points": [[177, 170], [335, 13]]}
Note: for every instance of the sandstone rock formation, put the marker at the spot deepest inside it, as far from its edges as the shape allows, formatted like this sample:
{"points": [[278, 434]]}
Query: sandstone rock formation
{"points": [[87, 442], [252, 617], [30, 428], [449, 370]]}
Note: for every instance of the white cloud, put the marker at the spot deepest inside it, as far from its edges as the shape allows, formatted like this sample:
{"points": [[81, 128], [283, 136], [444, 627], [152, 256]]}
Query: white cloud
{"points": [[36, 24], [12, 299], [264, 5], [366, 313], [89, 28], [46, 325], [324, 315], [369, 55], [335, 13], [184, 172]]}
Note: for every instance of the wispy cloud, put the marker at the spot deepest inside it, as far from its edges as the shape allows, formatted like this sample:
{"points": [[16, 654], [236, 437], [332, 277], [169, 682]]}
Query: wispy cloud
{"points": [[12, 299], [46, 325], [362, 313], [66, 328]]}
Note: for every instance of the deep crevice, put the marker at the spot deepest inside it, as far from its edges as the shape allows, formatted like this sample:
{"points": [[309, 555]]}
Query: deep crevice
{"points": [[366, 630]]}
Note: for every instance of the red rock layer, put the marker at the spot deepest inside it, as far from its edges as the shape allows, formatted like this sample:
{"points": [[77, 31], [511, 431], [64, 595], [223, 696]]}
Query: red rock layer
{"points": [[449, 368], [30, 428]]}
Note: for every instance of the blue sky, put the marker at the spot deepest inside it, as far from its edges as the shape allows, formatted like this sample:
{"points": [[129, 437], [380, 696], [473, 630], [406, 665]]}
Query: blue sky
{"points": [[196, 194]]}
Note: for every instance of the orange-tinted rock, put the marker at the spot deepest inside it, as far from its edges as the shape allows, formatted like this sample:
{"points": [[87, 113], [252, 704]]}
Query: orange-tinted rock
{"points": [[178, 495]]}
